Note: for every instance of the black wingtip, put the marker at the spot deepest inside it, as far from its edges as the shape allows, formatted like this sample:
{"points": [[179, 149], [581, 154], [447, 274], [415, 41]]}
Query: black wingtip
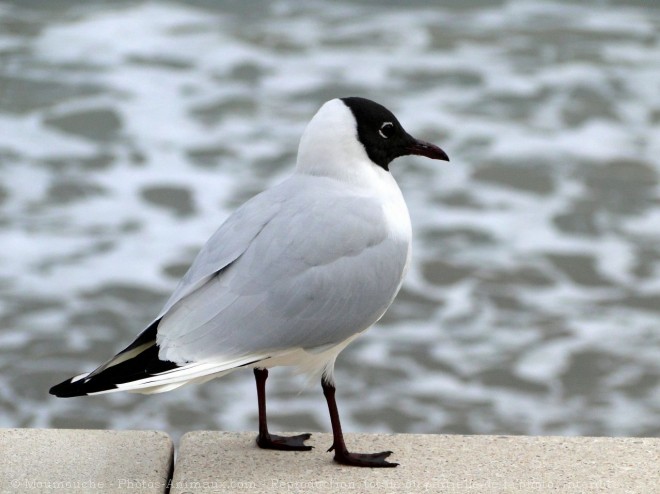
{"points": [[107, 379], [82, 387], [68, 389]]}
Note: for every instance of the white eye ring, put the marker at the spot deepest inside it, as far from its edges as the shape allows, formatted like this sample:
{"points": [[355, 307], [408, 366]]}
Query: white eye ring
{"points": [[388, 127]]}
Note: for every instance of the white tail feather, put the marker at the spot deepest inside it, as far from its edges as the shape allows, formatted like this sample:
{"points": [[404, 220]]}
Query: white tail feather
{"points": [[174, 378]]}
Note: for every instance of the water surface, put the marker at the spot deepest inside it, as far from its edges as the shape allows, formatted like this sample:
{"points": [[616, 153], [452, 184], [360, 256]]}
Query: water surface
{"points": [[129, 132]]}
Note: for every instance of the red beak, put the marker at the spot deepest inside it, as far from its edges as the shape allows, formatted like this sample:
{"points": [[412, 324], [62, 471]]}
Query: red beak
{"points": [[422, 148]]}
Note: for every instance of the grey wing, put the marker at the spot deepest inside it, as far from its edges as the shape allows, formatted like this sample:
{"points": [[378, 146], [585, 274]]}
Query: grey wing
{"points": [[228, 242], [311, 277], [226, 245]]}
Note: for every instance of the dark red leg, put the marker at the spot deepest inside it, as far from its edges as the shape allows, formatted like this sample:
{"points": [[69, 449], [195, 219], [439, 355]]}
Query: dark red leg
{"points": [[271, 441], [342, 455]]}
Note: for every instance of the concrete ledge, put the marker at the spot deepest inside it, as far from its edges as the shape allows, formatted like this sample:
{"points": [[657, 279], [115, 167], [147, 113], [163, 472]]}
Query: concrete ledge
{"points": [[231, 463], [61, 460], [39, 460]]}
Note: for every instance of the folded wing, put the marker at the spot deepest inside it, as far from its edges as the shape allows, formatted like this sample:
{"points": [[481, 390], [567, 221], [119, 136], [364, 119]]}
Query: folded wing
{"points": [[288, 271]]}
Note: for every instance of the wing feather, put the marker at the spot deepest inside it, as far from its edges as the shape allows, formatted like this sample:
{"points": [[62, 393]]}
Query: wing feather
{"points": [[228, 243], [289, 279], [292, 286]]}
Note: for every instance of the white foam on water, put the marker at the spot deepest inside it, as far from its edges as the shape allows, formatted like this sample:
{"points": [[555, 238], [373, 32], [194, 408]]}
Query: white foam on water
{"points": [[211, 103]]}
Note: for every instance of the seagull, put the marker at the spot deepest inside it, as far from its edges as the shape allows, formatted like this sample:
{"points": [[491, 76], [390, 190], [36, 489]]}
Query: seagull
{"points": [[290, 278]]}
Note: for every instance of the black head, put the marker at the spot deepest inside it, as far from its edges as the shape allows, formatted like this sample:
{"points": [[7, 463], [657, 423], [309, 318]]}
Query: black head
{"points": [[383, 137]]}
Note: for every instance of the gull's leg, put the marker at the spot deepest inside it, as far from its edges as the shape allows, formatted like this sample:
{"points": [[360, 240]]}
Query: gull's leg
{"points": [[342, 455], [271, 441]]}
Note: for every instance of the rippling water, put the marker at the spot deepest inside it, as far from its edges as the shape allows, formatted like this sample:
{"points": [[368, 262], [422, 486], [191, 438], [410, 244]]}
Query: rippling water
{"points": [[128, 133]]}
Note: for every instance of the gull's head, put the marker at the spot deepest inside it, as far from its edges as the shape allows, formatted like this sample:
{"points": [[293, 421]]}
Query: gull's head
{"points": [[349, 136]]}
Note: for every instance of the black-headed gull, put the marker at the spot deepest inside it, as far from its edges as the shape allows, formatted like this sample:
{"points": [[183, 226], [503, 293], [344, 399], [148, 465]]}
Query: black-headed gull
{"points": [[291, 278]]}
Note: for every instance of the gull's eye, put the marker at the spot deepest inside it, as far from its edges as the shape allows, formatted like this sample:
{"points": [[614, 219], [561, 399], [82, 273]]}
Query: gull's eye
{"points": [[386, 130]]}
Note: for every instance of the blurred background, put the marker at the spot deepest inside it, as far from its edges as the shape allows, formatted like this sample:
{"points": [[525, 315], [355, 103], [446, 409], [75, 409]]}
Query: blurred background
{"points": [[130, 130]]}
